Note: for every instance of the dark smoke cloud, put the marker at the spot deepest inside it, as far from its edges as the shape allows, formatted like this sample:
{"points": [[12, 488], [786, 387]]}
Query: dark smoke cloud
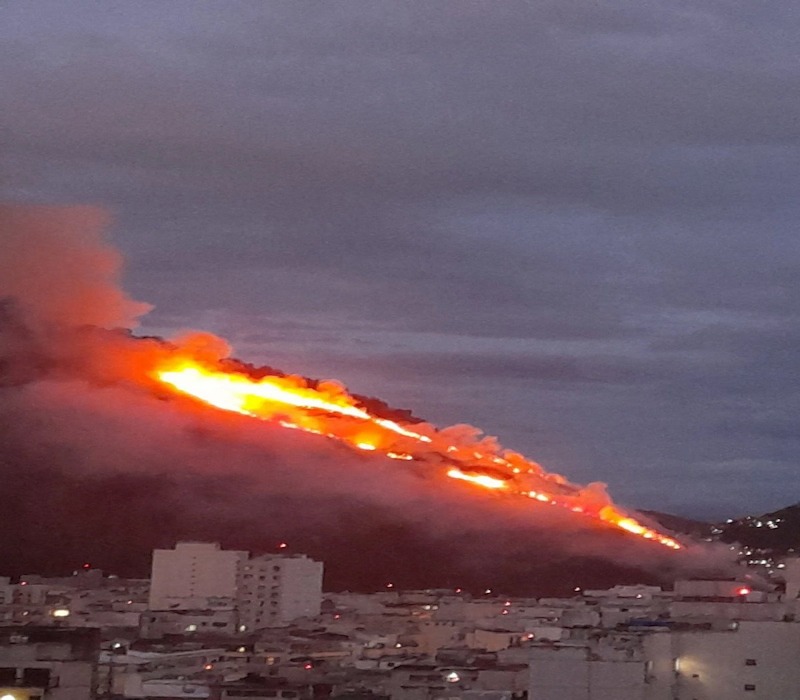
{"points": [[98, 465]]}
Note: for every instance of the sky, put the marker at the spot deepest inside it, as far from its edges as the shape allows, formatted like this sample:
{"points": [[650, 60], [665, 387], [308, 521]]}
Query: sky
{"points": [[572, 225]]}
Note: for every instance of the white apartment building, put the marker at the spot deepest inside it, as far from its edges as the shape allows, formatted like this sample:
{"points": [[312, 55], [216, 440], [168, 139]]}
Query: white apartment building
{"points": [[276, 589], [194, 576], [263, 591], [747, 660], [606, 666], [750, 660]]}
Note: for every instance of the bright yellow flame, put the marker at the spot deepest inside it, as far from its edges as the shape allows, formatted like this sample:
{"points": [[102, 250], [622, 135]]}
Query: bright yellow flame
{"points": [[329, 411], [234, 392], [609, 514], [480, 479]]}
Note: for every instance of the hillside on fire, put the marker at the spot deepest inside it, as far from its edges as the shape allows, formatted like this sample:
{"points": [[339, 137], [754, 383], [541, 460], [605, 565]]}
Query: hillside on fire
{"points": [[114, 444]]}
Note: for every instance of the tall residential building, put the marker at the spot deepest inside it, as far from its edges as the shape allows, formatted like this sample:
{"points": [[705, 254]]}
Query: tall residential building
{"points": [[275, 589], [263, 591], [194, 576]]}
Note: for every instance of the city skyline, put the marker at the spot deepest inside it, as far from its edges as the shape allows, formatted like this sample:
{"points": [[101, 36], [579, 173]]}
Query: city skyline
{"points": [[218, 623]]}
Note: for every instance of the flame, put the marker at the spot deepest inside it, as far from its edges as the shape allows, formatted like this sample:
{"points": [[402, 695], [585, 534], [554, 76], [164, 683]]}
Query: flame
{"points": [[329, 411], [488, 482]]}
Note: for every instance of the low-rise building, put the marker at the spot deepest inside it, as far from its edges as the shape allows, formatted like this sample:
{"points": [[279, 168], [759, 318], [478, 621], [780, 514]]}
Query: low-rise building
{"points": [[48, 663]]}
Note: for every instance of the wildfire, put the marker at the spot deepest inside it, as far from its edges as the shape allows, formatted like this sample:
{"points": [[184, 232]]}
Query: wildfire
{"points": [[488, 482], [329, 410]]}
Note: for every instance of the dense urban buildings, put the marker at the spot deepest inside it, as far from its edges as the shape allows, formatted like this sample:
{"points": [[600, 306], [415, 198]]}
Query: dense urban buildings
{"points": [[214, 623]]}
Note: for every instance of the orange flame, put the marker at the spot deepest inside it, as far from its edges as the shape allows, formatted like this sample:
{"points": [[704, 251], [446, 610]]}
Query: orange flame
{"points": [[328, 410], [488, 482]]}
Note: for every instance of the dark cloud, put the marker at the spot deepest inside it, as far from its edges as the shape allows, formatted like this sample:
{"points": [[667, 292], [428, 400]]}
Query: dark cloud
{"points": [[454, 366], [590, 209]]}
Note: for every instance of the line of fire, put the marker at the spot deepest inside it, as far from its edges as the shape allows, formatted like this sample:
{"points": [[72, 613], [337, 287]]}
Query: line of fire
{"points": [[327, 409]]}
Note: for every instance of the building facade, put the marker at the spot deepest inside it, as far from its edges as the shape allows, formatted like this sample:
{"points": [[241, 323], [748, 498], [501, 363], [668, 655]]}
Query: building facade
{"points": [[48, 663], [194, 576], [201, 578], [274, 590]]}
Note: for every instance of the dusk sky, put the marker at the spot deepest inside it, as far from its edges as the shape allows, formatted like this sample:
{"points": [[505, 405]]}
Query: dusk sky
{"points": [[571, 224]]}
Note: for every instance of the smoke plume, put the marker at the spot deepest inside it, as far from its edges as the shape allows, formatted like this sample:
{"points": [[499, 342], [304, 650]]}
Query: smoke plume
{"points": [[56, 265], [99, 464]]}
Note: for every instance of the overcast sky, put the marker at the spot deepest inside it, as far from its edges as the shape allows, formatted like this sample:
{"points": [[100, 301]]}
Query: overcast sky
{"points": [[572, 224]]}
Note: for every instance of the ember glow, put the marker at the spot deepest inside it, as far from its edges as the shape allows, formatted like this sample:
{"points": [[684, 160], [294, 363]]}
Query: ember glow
{"points": [[328, 410]]}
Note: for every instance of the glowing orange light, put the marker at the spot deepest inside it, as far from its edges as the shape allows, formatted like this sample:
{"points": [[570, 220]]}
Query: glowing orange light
{"points": [[327, 410], [480, 479]]}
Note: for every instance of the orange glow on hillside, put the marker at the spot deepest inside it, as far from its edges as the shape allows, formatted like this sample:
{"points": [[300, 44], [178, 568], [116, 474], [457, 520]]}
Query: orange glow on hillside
{"points": [[487, 482], [329, 410]]}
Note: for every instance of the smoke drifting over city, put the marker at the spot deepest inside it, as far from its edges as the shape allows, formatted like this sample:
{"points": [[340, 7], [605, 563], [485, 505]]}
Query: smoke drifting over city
{"points": [[99, 465]]}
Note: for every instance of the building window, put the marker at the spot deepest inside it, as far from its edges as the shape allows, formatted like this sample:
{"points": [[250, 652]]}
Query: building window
{"points": [[749, 662], [37, 677], [749, 686]]}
